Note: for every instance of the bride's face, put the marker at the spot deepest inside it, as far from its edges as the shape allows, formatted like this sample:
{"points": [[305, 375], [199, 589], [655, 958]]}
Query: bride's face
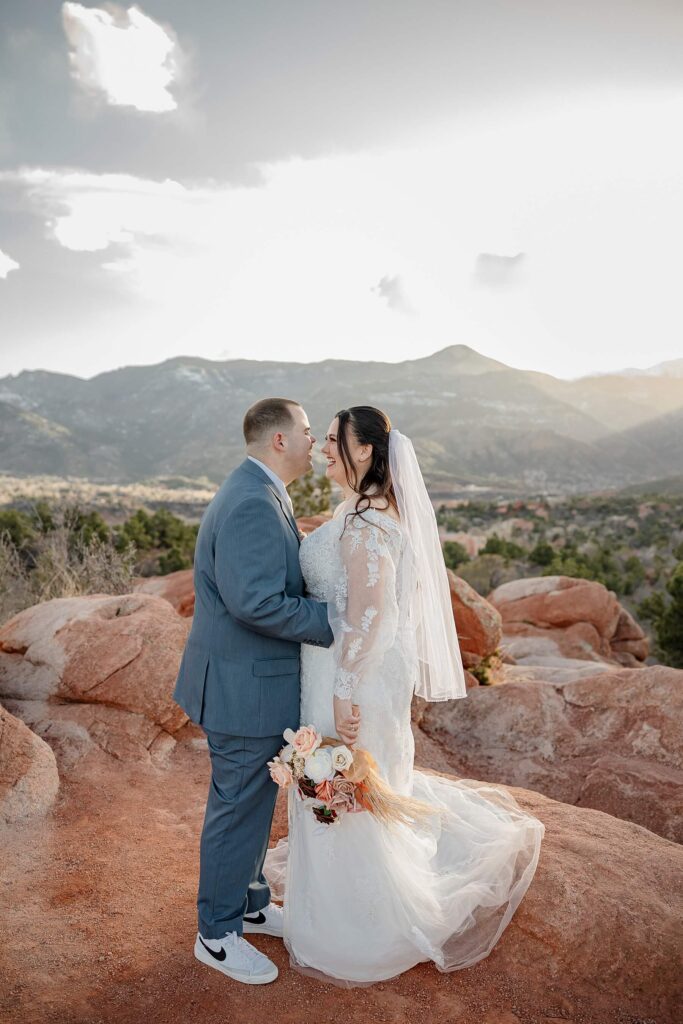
{"points": [[360, 455]]}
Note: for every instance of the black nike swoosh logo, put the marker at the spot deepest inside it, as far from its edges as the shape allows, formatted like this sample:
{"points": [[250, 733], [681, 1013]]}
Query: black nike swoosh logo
{"points": [[261, 919], [220, 955]]}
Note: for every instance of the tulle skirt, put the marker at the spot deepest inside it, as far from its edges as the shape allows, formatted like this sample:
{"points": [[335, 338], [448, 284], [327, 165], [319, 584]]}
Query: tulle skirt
{"points": [[364, 902]]}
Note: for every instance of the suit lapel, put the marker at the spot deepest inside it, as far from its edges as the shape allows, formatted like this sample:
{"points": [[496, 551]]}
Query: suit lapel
{"points": [[251, 467], [285, 508]]}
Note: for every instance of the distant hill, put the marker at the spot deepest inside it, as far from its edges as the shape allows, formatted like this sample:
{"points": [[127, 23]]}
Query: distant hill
{"points": [[670, 368], [654, 447], [474, 420], [670, 485]]}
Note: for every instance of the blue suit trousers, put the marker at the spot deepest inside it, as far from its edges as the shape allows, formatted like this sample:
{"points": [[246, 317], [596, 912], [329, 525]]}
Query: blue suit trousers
{"points": [[239, 814]]}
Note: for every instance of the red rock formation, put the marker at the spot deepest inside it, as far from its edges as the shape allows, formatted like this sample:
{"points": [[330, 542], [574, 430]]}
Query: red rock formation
{"points": [[177, 588], [629, 644], [28, 772], [549, 619], [612, 741], [595, 940], [477, 622], [99, 668]]}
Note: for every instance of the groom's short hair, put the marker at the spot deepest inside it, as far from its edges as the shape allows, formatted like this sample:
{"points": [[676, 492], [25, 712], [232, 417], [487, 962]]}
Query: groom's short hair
{"points": [[266, 417]]}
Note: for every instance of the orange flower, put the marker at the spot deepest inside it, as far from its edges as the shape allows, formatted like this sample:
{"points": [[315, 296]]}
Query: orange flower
{"points": [[361, 798], [324, 790]]}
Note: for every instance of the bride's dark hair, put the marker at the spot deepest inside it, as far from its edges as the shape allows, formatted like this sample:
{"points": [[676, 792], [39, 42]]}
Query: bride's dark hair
{"points": [[368, 426]]}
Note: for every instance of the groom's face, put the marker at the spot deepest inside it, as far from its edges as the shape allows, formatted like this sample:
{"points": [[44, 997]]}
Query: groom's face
{"points": [[300, 443]]}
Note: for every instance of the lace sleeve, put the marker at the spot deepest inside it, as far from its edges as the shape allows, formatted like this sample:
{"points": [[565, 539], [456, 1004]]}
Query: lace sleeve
{"points": [[363, 615]]}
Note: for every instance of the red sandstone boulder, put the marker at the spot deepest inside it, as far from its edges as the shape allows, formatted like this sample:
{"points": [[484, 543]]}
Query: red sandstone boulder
{"points": [[548, 619], [612, 741], [28, 772], [118, 656], [629, 644], [477, 622], [177, 588]]}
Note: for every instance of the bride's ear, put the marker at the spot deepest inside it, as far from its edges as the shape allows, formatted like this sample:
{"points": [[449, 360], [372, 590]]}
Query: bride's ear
{"points": [[365, 453]]}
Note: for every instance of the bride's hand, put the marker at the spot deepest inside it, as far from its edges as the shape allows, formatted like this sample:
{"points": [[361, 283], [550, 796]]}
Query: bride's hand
{"points": [[346, 720]]}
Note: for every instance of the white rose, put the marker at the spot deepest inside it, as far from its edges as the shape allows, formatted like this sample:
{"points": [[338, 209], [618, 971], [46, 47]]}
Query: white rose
{"points": [[286, 753], [342, 758], [318, 765]]}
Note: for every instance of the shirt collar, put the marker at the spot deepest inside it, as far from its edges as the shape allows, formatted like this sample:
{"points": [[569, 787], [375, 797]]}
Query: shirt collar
{"points": [[279, 483]]}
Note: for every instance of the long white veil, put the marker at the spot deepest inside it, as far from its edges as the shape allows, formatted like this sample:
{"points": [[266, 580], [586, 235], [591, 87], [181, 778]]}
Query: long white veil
{"points": [[426, 613]]}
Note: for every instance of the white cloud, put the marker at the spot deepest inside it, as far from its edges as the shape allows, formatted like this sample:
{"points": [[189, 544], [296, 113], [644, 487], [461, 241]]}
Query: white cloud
{"points": [[390, 290], [124, 54], [495, 271], [290, 270], [7, 264]]}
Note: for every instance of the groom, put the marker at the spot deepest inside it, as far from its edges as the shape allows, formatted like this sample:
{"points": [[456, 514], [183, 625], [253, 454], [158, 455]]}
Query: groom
{"points": [[239, 677]]}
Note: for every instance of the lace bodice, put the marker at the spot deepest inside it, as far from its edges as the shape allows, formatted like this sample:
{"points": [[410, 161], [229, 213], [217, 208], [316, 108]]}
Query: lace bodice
{"points": [[352, 564]]}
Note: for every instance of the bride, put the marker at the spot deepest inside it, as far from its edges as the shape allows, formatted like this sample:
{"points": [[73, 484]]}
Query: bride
{"points": [[364, 902]]}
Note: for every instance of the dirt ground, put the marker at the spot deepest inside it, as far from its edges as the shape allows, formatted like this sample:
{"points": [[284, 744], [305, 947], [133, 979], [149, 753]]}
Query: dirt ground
{"points": [[97, 907]]}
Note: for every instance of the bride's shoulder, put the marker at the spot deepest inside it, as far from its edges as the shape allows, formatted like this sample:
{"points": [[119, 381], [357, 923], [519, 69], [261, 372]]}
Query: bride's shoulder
{"points": [[384, 515], [373, 515]]}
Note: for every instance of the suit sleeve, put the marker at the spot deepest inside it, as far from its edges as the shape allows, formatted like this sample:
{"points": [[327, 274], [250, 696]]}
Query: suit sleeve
{"points": [[251, 572]]}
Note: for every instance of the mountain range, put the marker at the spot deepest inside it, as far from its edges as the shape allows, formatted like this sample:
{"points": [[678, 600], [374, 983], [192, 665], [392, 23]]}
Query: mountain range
{"points": [[474, 420]]}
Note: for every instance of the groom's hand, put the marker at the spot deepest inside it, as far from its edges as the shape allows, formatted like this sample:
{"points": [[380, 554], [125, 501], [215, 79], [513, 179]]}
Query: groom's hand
{"points": [[346, 720]]}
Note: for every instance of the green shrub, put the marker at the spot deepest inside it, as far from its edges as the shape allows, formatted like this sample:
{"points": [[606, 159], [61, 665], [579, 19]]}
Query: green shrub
{"points": [[666, 613], [454, 554]]}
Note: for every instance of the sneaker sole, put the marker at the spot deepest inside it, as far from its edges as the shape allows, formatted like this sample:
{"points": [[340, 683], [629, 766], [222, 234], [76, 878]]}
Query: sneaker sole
{"points": [[259, 929], [246, 979]]}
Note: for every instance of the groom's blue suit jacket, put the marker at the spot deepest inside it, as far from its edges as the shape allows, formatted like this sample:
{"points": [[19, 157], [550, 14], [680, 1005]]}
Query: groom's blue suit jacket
{"points": [[240, 669]]}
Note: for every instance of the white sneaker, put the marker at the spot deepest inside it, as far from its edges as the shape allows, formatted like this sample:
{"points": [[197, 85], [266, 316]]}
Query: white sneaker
{"points": [[237, 958], [268, 921]]}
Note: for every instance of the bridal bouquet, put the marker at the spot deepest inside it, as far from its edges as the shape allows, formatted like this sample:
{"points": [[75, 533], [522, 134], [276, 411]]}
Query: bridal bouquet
{"points": [[339, 781]]}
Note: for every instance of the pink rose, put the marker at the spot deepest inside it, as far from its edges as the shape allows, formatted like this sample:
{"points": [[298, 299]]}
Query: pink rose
{"points": [[306, 740], [341, 802], [343, 798], [342, 785], [280, 773]]}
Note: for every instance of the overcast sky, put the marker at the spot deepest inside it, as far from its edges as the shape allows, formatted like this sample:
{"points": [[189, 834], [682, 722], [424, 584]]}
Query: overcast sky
{"points": [[372, 179]]}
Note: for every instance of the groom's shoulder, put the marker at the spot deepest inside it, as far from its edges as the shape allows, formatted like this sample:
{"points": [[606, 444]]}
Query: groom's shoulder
{"points": [[240, 488]]}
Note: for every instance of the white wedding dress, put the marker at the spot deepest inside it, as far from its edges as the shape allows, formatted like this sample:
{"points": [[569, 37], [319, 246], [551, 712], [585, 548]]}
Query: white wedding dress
{"points": [[363, 902]]}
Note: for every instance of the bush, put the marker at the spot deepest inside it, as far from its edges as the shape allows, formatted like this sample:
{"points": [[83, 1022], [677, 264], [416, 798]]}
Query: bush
{"points": [[454, 554], [542, 554], [670, 625], [667, 617], [70, 559], [18, 527], [167, 540], [15, 586], [496, 545]]}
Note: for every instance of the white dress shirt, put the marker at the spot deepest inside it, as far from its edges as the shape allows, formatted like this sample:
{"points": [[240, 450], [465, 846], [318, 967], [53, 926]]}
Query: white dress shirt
{"points": [[276, 480]]}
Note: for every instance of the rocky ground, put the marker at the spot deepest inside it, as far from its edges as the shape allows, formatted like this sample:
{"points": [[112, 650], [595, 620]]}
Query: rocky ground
{"points": [[99, 920], [103, 784]]}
